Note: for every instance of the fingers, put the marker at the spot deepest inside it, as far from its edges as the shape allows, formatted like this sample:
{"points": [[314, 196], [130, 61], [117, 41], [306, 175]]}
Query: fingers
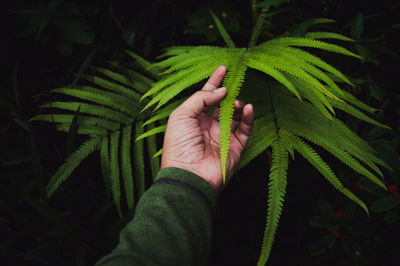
{"points": [[198, 102], [243, 131], [215, 79], [237, 115]]}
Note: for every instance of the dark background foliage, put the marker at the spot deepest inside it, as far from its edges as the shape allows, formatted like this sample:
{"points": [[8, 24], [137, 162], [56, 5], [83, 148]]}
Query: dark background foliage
{"points": [[48, 44]]}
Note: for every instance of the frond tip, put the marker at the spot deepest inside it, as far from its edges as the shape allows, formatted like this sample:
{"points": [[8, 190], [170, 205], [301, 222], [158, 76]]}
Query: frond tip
{"points": [[276, 192], [71, 163]]}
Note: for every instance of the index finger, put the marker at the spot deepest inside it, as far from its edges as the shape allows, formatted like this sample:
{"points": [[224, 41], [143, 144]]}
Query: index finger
{"points": [[215, 79]]}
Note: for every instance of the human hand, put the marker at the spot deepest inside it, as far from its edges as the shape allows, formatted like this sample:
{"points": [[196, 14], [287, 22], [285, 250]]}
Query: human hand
{"points": [[191, 140]]}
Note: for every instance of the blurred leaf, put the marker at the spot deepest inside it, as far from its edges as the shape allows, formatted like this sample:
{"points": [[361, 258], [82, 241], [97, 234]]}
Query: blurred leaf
{"points": [[269, 3], [75, 31], [366, 54], [303, 27], [375, 91], [86, 63], [325, 207], [384, 204], [357, 27], [396, 26], [371, 187], [201, 23], [72, 132]]}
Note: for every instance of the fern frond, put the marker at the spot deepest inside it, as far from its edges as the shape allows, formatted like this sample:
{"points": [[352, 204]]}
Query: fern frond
{"points": [[357, 113], [164, 112], [114, 171], [138, 160], [109, 99], [310, 155], [71, 163], [276, 192], [158, 154], [185, 78], [152, 147], [282, 65], [82, 120], [145, 64], [134, 83], [233, 81], [222, 31], [263, 134], [126, 165], [139, 81], [327, 35], [306, 42], [320, 139], [273, 73], [316, 61], [152, 132], [114, 87], [95, 110], [354, 101], [105, 164], [83, 129]]}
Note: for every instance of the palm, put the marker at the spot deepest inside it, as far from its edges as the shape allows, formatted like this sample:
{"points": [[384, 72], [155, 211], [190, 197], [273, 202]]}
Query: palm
{"points": [[192, 137]]}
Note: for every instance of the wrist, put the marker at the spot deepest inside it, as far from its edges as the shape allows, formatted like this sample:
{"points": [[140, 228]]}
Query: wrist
{"points": [[194, 170]]}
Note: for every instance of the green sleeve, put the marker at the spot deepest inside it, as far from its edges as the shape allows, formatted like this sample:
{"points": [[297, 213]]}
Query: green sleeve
{"points": [[172, 223]]}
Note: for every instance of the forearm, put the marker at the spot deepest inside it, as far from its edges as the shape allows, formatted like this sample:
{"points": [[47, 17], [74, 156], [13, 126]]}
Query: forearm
{"points": [[172, 224]]}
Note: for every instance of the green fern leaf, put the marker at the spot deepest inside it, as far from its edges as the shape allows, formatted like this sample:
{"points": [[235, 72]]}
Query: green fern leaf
{"points": [[308, 153], [126, 167], [95, 110], [233, 81], [114, 171], [222, 31], [152, 146], [276, 192], [263, 134], [152, 131], [71, 163], [114, 87], [138, 160], [105, 165], [327, 35]]}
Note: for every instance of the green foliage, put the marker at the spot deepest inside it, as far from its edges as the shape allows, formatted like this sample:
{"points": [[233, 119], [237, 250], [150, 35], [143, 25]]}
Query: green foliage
{"points": [[293, 116], [109, 114]]}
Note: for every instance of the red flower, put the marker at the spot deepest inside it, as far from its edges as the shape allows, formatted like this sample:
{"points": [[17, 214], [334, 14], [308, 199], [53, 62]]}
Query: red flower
{"points": [[393, 189], [339, 213], [336, 234], [357, 186]]}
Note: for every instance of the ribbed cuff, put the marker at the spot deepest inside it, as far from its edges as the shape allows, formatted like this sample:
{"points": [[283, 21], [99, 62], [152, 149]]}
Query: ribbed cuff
{"points": [[191, 181]]}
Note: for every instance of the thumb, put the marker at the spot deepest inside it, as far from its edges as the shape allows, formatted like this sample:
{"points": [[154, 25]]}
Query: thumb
{"points": [[199, 101]]}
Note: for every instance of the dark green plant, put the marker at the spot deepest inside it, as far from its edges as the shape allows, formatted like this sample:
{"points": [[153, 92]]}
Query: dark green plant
{"points": [[109, 112], [295, 112]]}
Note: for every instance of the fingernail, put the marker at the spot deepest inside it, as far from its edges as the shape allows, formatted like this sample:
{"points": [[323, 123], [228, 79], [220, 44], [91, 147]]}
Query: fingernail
{"points": [[219, 90]]}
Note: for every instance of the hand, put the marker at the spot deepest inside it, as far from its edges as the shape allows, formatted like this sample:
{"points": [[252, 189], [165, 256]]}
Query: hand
{"points": [[191, 140]]}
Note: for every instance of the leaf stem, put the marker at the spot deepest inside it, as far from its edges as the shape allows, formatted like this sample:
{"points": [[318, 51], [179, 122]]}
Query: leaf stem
{"points": [[258, 27]]}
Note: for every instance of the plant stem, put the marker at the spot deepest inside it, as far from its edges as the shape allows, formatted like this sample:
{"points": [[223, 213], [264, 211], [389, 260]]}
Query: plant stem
{"points": [[253, 10], [258, 27]]}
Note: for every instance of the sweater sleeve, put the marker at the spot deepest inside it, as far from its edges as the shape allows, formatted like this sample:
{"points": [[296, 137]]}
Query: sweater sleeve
{"points": [[172, 223]]}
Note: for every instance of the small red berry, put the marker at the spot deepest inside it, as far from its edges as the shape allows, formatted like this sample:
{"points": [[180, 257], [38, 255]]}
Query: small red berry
{"points": [[357, 186], [336, 234], [339, 213], [393, 189]]}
